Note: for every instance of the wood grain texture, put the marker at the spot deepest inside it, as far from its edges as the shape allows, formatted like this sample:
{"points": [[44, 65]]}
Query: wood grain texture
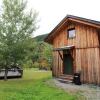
{"points": [[86, 53]]}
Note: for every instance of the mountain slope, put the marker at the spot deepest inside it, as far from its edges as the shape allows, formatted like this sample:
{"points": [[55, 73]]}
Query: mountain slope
{"points": [[40, 37]]}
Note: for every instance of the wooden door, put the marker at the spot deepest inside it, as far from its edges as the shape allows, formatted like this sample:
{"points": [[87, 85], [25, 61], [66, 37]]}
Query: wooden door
{"points": [[68, 64]]}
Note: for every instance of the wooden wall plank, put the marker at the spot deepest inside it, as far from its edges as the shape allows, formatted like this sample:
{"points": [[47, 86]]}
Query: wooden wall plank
{"points": [[87, 52]]}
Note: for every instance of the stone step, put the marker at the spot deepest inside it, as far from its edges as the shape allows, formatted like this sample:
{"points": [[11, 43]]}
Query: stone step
{"points": [[65, 81], [66, 77]]}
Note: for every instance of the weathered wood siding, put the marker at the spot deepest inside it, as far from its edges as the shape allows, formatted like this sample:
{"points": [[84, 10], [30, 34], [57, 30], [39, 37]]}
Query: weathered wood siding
{"points": [[58, 63], [86, 53], [86, 37]]}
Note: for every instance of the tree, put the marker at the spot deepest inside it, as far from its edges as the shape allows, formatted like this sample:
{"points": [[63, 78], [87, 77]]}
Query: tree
{"points": [[16, 28], [48, 54], [43, 54]]}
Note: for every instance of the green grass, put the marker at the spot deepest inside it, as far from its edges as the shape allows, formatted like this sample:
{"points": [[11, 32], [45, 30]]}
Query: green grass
{"points": [[32, 87]]}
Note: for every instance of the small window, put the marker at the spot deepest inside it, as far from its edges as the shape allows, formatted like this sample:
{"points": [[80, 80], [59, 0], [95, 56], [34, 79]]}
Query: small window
{"points": [[71, 33]]}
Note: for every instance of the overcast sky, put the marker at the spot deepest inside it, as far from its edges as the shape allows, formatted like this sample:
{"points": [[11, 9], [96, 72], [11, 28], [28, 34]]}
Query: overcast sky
{"points": [[51, 12]]}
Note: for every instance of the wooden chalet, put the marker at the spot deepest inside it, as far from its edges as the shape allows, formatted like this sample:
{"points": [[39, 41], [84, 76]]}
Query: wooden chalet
{"points": [[76, 43]]}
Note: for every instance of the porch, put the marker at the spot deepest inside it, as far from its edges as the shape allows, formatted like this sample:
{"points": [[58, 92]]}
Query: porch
{"points": [[67, 57]]}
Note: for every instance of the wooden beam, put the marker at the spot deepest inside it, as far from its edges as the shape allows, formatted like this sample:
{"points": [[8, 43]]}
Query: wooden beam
{"points": [[60, 55], [88, 47], [84, 22]]}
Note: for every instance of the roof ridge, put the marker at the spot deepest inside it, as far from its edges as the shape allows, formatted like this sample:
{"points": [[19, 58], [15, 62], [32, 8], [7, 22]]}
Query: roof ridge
{"points": [[84, 19]]}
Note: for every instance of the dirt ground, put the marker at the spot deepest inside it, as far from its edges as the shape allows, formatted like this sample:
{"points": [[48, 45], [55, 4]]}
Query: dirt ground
{"points": [[86, 91]]}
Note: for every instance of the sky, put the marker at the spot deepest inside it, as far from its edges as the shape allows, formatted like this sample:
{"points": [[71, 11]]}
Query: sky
{"points": [[51, 12]]}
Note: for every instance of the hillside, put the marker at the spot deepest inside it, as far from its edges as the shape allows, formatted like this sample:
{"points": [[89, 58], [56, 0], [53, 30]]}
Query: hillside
{"points": [[42, 56], [41, 37]]}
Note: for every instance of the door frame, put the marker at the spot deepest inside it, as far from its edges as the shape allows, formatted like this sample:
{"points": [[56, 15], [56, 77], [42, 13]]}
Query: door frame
{"points": [[68, 52]]}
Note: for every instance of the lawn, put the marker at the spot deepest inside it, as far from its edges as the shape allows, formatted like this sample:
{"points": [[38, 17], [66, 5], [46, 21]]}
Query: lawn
{"points": [[32, 87]]}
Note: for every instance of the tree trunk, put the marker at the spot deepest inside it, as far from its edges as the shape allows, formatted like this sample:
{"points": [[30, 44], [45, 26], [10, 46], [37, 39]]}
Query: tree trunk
{"points": [[5, 75]]}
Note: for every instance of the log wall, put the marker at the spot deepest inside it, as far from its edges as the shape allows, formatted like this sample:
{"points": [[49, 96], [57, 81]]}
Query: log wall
{"points": [[86, 53]]}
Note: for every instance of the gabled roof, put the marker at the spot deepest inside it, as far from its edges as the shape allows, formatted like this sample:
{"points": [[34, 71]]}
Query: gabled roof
{"points": [[84, 19], [81, 20]]}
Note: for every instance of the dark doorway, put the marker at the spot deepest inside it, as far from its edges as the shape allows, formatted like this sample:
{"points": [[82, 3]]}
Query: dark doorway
{"points": [[68, 64]]}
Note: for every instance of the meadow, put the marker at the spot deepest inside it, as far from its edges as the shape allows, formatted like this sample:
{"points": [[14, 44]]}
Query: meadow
{"points": [[32, 87]]}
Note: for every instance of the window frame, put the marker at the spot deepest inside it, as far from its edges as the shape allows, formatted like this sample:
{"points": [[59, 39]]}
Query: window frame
{"points": [[68, 33]]}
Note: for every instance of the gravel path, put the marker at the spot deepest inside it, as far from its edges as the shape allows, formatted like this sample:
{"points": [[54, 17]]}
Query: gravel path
{"points": [[90, 92]]}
